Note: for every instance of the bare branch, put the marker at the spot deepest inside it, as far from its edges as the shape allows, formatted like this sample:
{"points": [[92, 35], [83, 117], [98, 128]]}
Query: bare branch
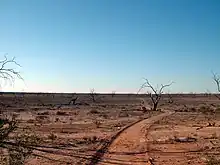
{"points": [[150, 86], [73, 99], [164, 86], [216, 78], [5, 131], [7, 73], [93, 94]]}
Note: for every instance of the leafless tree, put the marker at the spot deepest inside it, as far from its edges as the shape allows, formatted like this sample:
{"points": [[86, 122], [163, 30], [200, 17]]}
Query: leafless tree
{"points": [[73, 99], [207, 93], [170, 101], [41, 102], [7, 73], [216, 79], [157, 93], [93, 95], [113, 93]]}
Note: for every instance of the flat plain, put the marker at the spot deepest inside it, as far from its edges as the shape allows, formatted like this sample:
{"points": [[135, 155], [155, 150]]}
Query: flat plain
{"points": [[116, 129]]}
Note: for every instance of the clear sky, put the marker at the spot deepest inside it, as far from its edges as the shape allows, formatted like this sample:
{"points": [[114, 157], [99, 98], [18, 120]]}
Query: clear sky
{"points": [[110, 45]]}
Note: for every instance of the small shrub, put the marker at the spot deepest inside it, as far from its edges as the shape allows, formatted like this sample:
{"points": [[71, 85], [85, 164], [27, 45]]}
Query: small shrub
{"points": [[85, 138], [52, 136], [214, 136], [30, 121], [20, 152], [60, 113], [89, 140], [123, 114], [64, 131], [41, 117], [144, 109], [94, 138], [206, 109], [105, 116], [57, 119], [43, 113], [15, 115], [213, 161], [71, 120], [75, 113], [211, 124], [97, 123], [193, 109], [94, 111]]}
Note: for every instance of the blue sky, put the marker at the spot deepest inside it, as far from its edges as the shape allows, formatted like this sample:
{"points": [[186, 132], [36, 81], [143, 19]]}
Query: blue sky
{"points": [[76, 45]]}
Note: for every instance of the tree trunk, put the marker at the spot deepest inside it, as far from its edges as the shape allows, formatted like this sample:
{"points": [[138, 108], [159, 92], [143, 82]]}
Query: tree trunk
{"points": [[155, 106]]}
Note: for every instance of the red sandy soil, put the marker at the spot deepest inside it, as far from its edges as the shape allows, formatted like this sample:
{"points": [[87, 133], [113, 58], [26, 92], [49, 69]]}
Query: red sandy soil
{"points": [[115, 130], [131, 147]]}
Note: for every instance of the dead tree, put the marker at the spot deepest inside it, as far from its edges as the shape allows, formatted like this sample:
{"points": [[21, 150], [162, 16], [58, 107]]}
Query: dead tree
{"points": [[113, 94], [73, 99], [6, 72], [157, 93], [216, 79], [170, 101], [93, 95], [207, 93], [41, 102]]}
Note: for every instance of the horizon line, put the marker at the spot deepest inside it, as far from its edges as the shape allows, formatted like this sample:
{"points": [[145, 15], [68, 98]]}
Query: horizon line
{"points": [[110, 93]]}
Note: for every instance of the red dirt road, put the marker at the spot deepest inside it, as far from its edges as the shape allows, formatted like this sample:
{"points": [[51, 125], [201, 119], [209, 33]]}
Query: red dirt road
{"points": [[131, 147]]}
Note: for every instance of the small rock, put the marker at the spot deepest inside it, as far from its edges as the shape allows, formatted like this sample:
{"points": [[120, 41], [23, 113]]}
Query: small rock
{"points": [[142, 140]]}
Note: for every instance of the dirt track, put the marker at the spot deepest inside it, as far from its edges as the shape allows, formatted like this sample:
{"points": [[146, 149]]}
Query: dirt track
{"points": [[130, 147]]}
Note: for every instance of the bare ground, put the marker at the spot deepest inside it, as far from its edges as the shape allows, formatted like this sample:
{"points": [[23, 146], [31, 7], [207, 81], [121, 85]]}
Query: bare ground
{"points": [[131, 147], [115, 130]]}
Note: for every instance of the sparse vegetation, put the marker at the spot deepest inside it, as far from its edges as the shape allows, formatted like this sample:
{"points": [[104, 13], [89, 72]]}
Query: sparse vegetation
{"points": [[170, 100], [52, 136], [94, 124], [94, 111], [73, 99], [105, 119], [93, 95], [89, 140], [206, 109], [57, 119], [18, 149], [213, 161], [21, 149], [214, 136], [61, 113], [18, 146], [41, 118], [43, 113], [97, 123]]}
